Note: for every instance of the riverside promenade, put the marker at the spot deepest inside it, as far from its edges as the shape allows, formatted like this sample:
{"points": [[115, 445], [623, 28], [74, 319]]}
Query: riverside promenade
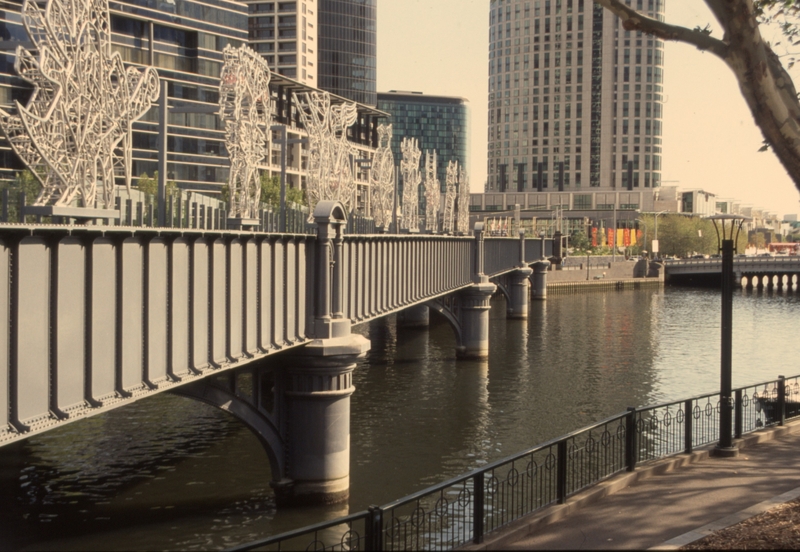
{"points": [[666, 504]]}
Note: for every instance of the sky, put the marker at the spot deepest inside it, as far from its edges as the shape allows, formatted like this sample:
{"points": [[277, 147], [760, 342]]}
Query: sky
{"points": [[710, 141]]}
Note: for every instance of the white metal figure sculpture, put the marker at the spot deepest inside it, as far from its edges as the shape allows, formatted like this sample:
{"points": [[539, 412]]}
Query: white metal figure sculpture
{"points": [[462, 203], [432, 193], [382, 178], [330, 175], [451, 179], [246, 111], [409, 167], [75, 133]]}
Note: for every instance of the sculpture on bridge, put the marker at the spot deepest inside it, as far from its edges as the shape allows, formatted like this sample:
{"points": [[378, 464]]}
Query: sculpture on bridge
{"points": [[448, 222], [330, 175], [75, 132], [462, 203], [409, 167], [245, 109], [382, 178], [432, 193]]}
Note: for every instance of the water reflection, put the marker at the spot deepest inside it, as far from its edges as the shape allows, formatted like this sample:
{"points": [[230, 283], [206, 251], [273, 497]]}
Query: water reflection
{"points": [[171, 473]]}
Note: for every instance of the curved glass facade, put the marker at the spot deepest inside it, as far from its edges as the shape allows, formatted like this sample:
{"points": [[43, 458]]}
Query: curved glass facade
{"points": [[347, 49]]}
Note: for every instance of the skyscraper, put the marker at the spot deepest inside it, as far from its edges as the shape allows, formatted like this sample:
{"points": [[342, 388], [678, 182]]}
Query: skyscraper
{"points": [[285, 34], [568, 84], [347, 49]]}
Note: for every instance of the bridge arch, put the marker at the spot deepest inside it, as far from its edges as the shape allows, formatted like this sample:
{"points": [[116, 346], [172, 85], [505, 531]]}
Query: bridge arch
{"points": [[221, 393]]}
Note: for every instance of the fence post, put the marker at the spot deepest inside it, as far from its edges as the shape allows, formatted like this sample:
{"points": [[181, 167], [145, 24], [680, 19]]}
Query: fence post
{"points": [[737, 414], [688, 423], [477, 508], [630, 438], [561, 472], [374, 529], [5, 205], [781, 400]]}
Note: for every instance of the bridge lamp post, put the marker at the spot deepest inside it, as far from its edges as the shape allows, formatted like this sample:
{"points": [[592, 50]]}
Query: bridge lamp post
{"points": [[727, 228]]}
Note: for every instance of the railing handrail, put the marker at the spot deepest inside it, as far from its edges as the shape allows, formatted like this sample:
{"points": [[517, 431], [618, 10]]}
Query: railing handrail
{"points": [[477, 473]]}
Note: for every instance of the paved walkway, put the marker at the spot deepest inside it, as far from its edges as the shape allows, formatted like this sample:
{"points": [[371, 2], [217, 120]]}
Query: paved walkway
{"points": [[669, 503]]}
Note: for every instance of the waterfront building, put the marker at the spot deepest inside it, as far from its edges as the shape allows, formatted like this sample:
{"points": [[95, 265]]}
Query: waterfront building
{"points": [[569, 85], [439, 123], [347, 49], [285, 34], [184, 42]]}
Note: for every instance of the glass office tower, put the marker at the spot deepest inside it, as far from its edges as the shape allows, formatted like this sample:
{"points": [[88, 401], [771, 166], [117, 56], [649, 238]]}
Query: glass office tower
{"points": [[568, 84], [347, 49], [440, 123]]}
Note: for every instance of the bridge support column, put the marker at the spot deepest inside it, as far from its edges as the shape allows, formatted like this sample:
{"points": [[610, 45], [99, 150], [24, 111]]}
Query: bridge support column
{"points": [[317, 389], [414, 317], [519, 293], [539, 290], [474, 318]]}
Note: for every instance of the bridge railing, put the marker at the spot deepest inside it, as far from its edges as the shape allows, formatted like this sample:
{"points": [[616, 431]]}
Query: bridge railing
{"points": [[533, 249], [386, 272], [500, 255], [463, 509], [92, 318], [188, 210]]}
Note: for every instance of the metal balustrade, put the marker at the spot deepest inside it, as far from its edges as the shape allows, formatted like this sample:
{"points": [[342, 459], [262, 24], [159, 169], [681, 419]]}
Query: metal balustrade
{"points": [[463, 509], [501, 255], [93, 318]]}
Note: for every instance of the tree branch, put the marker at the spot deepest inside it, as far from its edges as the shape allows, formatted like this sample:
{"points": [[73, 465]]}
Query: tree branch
{"points": [[634, 21]]}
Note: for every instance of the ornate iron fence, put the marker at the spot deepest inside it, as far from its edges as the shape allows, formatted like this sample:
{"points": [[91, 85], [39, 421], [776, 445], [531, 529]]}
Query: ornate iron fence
{"points": [[464, 509]]}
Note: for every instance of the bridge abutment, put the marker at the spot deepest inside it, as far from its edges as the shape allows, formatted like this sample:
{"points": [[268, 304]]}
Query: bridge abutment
{"points": [[519, 293], [474, 318], [316, 389], [539, 288]]}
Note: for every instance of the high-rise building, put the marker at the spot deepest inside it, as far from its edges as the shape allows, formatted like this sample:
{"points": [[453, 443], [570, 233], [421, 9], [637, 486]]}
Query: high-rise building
{"points": [[440, 123], [347, 49], [568, 84], [285, 34]]}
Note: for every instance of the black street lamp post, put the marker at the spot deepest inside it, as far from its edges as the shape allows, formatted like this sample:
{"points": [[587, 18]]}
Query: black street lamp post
{"points": [[728, 228]]}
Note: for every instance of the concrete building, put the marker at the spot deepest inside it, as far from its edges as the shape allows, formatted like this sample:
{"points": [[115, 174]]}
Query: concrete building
{"points": [[285, 33], [440, 123], [567, 84]]}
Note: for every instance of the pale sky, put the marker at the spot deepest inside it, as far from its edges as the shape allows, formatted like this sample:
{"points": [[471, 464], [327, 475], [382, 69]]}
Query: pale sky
{"points": [[710, 140]]}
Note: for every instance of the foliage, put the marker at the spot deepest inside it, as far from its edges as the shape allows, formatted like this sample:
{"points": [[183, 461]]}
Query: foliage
{"points": [[24, 182], [271, 192], [683, 236], [580, 241], [149, 186]]}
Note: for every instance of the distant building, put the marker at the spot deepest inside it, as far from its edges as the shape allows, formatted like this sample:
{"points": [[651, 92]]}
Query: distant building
{"points": [[347, 50], [440, 123], [568, 84]]}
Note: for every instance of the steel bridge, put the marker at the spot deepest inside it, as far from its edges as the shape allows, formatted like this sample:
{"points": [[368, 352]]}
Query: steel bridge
{"points": [[750, 272], [95, 317]]}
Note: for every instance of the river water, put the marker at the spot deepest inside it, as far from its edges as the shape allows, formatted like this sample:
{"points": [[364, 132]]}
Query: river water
{"points": [[171, 473]]}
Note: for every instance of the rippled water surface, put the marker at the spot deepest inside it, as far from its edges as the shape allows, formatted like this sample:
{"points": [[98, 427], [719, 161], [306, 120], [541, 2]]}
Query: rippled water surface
{"points": [[170, 473]]}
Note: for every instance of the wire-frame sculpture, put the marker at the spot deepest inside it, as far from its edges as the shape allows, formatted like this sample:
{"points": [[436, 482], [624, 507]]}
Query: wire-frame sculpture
{"points": [[330, 175], [432, 193], [451, 179], [462, 203], [409, 167], [75, 133], [382, 178], [245, 109]]}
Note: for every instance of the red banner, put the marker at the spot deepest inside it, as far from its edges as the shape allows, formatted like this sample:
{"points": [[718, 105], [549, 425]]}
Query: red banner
{"points": [[594, 236], [626, 237], [610, 241]]}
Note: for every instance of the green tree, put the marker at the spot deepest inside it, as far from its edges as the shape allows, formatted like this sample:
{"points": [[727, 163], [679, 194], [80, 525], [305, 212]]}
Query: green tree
{"points": [[765, 84], [580, 241], [149, 186], [271, 192], [24, 182]]}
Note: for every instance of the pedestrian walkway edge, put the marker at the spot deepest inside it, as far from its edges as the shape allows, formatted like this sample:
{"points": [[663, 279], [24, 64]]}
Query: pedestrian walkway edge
{"points": [[521, 528]]}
